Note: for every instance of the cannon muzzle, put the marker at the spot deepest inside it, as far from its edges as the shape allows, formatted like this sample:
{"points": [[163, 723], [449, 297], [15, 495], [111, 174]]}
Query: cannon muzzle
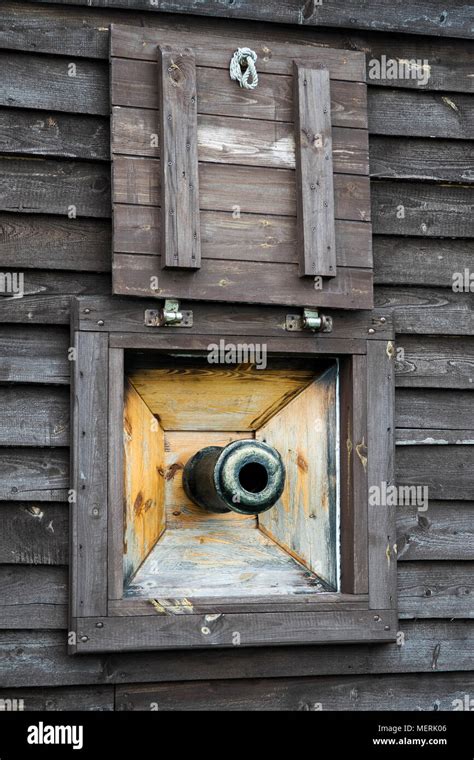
{"points": [[246, 477]]}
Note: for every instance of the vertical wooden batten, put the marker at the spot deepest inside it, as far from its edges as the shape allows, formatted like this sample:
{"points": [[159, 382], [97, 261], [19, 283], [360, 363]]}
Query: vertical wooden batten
{"points": [[180, 241], [314, 172]]}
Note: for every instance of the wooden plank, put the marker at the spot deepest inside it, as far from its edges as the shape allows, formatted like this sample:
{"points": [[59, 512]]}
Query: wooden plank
{"points": [[415, 261], [314, 197], [353, 475], [32, 534], [143, 468], [133, 83], [351, 694], [435, 589], [304, 520], [90, 698], [444, 470], [227, 280], [59, 84], [36, 416], [411, 208], [380, 470], [181, 240], [175, 631], [427, 311], [223, 139], [36, 309], [441, 409], [116, 473], [418, 159], [219, 562], [251, 189], [33, 597], [248, 237], [211, 397], [429, 646], [443, 532], [126, 315], [420, 114], [58, 243], [56, 134], [88, 529], [434, 362], [274, 56], [34, 354], [54, 187], [33, 474], [83, 32]]}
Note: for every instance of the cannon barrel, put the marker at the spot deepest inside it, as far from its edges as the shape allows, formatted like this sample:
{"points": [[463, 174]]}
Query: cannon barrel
{"points": [[246, 476]]}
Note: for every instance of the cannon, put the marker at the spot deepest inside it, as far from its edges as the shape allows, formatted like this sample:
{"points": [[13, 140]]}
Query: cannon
{"points": [[246, 476]]}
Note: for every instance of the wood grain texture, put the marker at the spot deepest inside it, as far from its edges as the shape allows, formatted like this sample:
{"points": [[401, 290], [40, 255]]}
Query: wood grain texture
{"points": [[33, 597], [34, 354], [253, 190], [39, 416], [248, 237], [221, 561], [132, 84], [33, 474], [427, 311], [304, 520], [88, 528], [446, 471], [181, 240], [380, 473], [430, 408], [143, 463], [238, 398], [33, 534], [435, 589], [438, 362], [236, 140], [314, 172], [430, 646], [443, 532], [415, 261], [363, 693], [418, 159], [58, 243]]}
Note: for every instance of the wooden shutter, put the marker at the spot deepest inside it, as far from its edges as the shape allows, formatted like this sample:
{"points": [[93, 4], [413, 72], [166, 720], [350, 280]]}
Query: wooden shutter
{"points": [[226, 194]]}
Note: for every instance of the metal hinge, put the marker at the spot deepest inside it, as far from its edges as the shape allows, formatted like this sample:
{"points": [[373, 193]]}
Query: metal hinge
{"points": [[170, 315], [309, 320]]}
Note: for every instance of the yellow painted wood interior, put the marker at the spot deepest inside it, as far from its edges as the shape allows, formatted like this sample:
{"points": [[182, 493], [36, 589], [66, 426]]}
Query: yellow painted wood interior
{"points": [[144, 467], [215, 398]]}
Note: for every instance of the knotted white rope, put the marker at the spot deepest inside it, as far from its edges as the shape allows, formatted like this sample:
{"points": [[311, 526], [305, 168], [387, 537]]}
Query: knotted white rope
{"points": [[245, 75]]}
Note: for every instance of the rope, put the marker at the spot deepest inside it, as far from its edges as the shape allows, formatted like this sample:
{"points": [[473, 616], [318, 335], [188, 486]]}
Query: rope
{"points": [[242, 74]]}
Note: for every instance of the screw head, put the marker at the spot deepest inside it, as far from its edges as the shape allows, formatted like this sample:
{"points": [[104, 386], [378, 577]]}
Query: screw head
{"points": [[205, 630], [100, 322], [99, 625], [84, 638], [87, 311], [371, 330], [382, 320]]}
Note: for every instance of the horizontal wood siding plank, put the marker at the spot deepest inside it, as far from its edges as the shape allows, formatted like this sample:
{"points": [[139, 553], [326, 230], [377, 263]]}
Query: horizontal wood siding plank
{"points": [[434, 362], [428, 646], [34, 416], [33, 534], [34, 474], [59, 84], [34, 354], [435, 589], [418, 159], [430, 408], [427, 311], [33, 597], [351, 694], [87, 698], [445, 531], [416, 261], [53, 134], [446, 471]]}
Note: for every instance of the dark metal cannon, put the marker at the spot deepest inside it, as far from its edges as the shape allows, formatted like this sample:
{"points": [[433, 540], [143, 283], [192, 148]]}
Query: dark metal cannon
{"points": [[246, 477]]}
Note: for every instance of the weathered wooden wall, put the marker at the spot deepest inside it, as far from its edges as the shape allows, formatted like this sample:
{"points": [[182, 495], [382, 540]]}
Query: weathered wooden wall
{"points": [[54, 152]]}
